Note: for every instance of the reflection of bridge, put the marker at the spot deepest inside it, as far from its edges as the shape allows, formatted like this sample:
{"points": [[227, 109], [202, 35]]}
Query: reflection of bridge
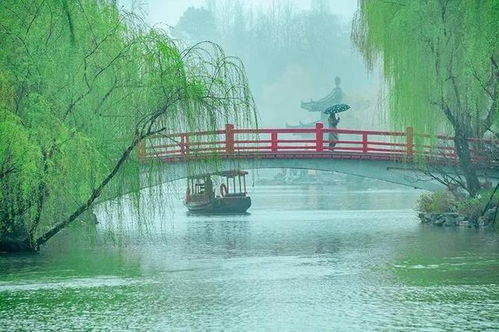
{"points": [[385, 155]]}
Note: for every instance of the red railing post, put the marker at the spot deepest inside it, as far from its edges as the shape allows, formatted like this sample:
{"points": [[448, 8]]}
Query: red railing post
{"points": [[273, 139], [364, 142], [410, 141], [141, 150], [182, 144], [319, 137], [229, 138], [186, 142]]}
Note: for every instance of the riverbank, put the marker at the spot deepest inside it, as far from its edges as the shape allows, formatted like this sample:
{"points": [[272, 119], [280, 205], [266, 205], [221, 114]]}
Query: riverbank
{"points": [[445, 209], [449, 219], [17, 239]]}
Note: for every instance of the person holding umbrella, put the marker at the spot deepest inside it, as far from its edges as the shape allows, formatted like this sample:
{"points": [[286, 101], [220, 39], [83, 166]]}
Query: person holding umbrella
{"points": [[333, 98], [333, 121]]}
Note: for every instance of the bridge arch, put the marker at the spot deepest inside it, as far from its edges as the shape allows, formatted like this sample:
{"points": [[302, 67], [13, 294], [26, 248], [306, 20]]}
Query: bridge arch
{"points": [[387, 171], [382, 155]]}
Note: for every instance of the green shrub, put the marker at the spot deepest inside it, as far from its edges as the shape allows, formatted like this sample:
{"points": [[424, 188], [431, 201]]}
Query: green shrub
{"points": [[472, 207], [437, 202]]}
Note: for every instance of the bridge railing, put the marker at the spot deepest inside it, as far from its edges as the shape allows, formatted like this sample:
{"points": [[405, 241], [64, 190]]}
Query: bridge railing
{"points": [[311, 142]]}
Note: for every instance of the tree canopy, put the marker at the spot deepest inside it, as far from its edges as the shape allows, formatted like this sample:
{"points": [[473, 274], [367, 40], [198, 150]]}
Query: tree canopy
{"points": [[81, 85], [440, 62]]}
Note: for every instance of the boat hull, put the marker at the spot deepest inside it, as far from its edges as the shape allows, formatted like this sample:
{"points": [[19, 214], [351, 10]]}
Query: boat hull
{"points": [[220, 205]]}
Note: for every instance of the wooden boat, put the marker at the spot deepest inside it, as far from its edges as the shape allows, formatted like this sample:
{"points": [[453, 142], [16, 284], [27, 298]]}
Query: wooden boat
{"points": [[232, 198]]}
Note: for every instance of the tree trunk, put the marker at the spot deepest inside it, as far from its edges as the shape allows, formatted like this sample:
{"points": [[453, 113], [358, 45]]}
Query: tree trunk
{"points": [[95, 194], [16, 240], [465, 162], [22, 246]]}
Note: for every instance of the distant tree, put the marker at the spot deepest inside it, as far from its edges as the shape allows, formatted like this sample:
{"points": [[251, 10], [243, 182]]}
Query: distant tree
{"points": [[272, 40], [195, 25], [320, 6], [283, 40], [81, 85], [440, 62]]}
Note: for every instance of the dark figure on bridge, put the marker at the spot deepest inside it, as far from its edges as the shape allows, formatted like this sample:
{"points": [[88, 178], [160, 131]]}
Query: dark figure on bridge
{"points": [[333, 121]]}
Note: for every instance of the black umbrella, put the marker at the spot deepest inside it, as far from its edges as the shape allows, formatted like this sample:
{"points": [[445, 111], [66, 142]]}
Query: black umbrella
{"points": [[338, 108]]}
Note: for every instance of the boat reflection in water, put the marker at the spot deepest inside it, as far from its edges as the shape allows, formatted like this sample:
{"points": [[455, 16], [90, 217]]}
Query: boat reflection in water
{"points": [[232, 198]]}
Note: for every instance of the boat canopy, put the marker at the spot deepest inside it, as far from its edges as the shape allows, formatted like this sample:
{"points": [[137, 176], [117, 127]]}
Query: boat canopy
{"points": [[234, 182], [226, 174], [231, 174]]}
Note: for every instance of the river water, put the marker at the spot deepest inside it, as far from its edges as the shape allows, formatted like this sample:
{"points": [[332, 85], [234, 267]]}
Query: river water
{"points": [[349, 256]]}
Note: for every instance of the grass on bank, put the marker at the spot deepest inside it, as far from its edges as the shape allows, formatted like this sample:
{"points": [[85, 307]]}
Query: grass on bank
{"points": [[471, 208]]}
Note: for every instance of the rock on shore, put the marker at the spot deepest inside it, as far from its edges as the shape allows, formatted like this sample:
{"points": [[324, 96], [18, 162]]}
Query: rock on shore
{"points": [[453, 219]]}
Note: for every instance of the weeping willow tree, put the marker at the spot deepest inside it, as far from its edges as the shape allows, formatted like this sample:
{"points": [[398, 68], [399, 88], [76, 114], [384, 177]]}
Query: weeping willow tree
{"points": [[440, 62], [82, 84]]}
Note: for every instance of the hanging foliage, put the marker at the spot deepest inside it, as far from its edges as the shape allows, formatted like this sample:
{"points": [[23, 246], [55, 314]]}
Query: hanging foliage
{"points": [[440, 62], [81, 85]]}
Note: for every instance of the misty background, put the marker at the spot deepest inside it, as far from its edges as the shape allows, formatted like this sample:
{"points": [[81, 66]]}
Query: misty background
{"points": [[292, 51]]}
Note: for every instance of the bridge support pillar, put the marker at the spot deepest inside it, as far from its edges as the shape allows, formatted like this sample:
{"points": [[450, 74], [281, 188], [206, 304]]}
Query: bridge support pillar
{"points": [[184, 144], [364, 143], [319, 137], [410, 141], [273, 138], [141, 150], [229, 138]]}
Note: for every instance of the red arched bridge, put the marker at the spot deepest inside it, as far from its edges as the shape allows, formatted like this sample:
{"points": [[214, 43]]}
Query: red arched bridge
{"points": [[400, 157]]}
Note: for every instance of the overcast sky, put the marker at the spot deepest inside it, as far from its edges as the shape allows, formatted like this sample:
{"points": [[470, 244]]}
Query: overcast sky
{"points": [[169, 11]]}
